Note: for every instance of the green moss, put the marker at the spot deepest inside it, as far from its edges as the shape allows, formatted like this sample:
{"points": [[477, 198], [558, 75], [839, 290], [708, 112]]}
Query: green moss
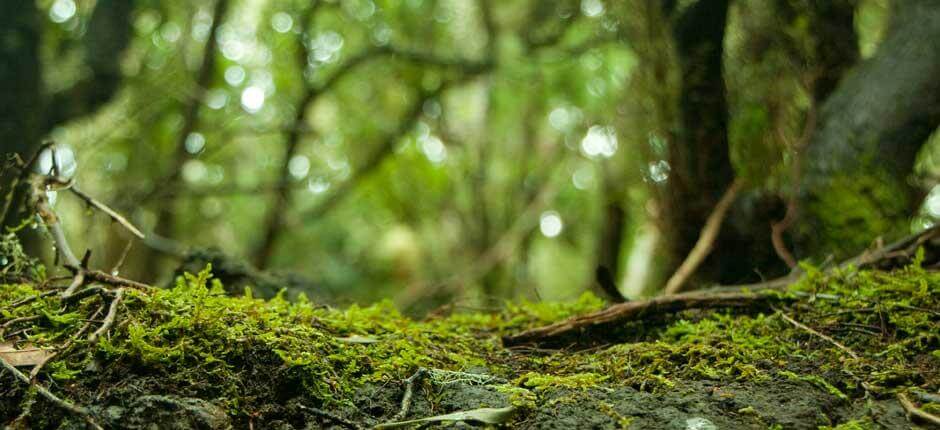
{"points": [[852, 210], [196, 339]]}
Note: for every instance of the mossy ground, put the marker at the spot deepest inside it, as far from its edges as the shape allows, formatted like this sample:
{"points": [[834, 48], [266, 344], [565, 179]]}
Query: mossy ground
{"points": [[195, 357]]}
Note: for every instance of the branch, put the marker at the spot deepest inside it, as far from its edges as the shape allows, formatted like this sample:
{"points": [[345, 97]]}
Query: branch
{"points": [[705, 241], [108, 211], [894, 255], [629, 311], [914, 411]]}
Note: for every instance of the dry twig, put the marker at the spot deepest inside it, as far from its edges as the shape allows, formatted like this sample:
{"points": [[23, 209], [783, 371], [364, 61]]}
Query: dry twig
{"points": [[810, 330], [705, 241], [110, 317]]}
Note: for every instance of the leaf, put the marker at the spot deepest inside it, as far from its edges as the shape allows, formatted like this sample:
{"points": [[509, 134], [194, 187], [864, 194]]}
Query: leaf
{"points": [[482, 415], [29, 356]]}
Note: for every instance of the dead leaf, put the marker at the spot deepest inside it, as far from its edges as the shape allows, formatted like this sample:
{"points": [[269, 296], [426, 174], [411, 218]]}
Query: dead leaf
{"points": [[24, 357]]}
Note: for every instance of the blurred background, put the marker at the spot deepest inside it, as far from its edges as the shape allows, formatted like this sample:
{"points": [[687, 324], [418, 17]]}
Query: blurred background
{"points": [[439, 151]]}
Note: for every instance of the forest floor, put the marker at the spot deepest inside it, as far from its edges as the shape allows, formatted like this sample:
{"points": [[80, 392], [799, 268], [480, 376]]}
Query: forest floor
{"points": [[843, 349]]}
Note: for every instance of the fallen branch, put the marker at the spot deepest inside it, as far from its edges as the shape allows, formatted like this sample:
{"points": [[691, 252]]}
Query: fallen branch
{"points": [[914, 411], [66, 405], [893, 255], [705, 240], [636, 310]]}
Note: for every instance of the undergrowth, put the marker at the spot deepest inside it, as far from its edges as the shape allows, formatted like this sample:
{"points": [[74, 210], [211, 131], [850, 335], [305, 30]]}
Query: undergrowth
{"points": [[244, 353]]}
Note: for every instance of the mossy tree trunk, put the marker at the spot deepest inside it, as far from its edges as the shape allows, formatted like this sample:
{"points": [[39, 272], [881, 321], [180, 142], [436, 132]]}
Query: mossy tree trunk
{"points": [[856, 178]]}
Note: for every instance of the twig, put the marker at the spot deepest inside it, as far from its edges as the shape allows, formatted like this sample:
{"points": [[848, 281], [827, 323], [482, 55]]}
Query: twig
{"points": [[31, 299], [810, 330], [110, 317], [330, 416], [108, 211], [117, 281], [120, 261], [409, 393], [705, 241], [628, 311], [914, 411], [66, 405], [35, 372]]}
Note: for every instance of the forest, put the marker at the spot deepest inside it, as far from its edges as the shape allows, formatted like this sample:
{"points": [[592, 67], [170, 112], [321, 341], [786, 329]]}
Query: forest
{"points": [[534, 214]]}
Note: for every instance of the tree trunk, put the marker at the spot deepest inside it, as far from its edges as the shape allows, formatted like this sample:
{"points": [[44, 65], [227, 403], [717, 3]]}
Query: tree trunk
{"points": [[700, 167], [856, 175], [20, 95], [610, 242]]}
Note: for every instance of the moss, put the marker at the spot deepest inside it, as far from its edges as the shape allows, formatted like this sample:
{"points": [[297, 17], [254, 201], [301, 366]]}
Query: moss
{"points": [[852, 210], [247, 354]]}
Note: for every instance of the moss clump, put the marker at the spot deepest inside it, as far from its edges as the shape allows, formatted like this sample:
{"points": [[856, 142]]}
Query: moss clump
{"points": [[255, 358], [852, 210]]}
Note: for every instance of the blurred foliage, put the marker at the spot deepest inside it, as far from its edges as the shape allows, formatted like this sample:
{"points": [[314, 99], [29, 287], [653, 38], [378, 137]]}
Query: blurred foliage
{"points": [[536, 109]]}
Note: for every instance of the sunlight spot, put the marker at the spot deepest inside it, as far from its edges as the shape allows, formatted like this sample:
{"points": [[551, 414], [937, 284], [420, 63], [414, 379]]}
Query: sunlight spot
{"points": [[326, 46], [64, 158], [282, 22], [234, 75], [550, 224], [318, 185], [564, 118], [659, 171], [252, 99], [600, 141], [583, 178], [194, 143], [433, 149], [299, 166], [216, 99], [194, 171], [933, 202], [592, 8], [171, 32], [62, 10]]}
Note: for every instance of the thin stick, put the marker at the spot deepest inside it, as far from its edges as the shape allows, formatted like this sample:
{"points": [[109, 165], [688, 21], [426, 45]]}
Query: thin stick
{"points": [[68, 406], [705, 240], [108, 211], [810, 330], [110, 317], [409, 393], [330, 416], [120, 261], [914, 411]]}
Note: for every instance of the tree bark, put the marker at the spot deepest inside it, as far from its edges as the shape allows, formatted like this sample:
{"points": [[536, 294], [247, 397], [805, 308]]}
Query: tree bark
{"points": [[20, 93], [700, 166], [610, 242], [856, 176]]}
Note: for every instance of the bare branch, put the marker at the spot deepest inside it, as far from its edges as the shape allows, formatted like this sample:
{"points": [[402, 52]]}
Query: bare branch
{"points": [[705, 241]]}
